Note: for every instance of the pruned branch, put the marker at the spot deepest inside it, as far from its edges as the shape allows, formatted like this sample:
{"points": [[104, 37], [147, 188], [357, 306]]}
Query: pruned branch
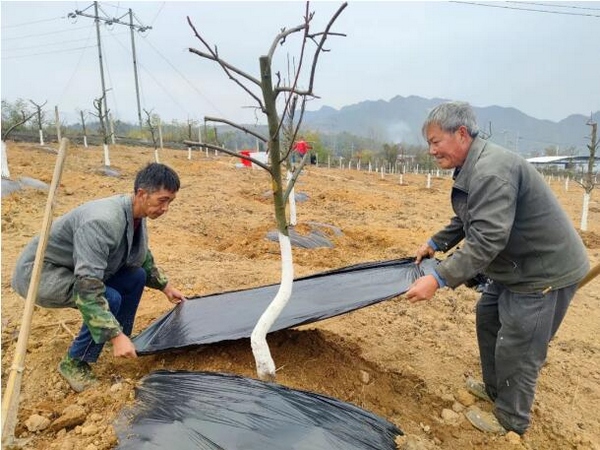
{"points": [[324, 36], [280, 38], [235, 125], [229, 152], [21, 122], [227, 68], [295, 176]]}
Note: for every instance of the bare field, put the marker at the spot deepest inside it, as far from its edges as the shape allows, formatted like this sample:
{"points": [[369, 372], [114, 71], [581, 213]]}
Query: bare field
{"points": [[213, 239]]}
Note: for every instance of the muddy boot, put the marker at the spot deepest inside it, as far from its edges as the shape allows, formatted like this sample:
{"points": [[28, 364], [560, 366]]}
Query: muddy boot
{"points": [[477, 388], [484, 421], [77, 373]]}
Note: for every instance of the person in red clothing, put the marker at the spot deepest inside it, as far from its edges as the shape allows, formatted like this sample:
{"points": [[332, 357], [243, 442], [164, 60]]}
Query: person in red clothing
{"points": [[300, 147]]}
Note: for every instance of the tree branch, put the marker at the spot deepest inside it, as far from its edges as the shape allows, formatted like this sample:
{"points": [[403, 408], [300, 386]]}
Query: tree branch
{"points": [[324, 36], [229, 152], [235, 125], [227, 68], [25, 119], [295, 176]]}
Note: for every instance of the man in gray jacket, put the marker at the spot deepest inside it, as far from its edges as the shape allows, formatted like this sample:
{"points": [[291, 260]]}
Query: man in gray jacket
{"points": [[98, 261], [514, 231]]}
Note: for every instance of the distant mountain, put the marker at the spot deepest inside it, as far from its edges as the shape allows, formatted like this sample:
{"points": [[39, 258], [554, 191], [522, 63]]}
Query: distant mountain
{"points": [[400, 120]]}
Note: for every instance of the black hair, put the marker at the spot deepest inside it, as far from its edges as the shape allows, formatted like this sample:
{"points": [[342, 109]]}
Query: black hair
{"points": [[156, 176]]}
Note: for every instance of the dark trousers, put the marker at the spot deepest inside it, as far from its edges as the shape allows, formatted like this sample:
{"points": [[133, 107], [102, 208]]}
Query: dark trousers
{"points": [[513, 332], [123, 293]]}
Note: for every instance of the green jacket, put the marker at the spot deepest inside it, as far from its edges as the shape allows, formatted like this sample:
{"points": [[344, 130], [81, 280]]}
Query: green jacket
{"points": [[513, 227], [86, 247]]}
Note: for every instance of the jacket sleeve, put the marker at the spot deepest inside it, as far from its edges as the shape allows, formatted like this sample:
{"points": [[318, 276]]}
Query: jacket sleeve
{"points": [[90, 300], [155, 277], [491, 207], [450, 236]]}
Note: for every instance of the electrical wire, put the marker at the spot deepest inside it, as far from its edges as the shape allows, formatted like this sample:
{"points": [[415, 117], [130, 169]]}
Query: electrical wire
{"points": [[183, 77], [493, 5], [24, 24], [42, 34], [552, 5], [47, 53], [76, 66]]}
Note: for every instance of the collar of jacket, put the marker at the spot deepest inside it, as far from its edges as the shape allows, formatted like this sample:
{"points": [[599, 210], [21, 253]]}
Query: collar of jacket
{"points": [[464, 173]]}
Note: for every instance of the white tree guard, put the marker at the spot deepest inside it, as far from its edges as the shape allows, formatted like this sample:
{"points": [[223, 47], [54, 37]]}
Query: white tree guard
{"points": [[584, 212], [106, 156], [292, 200], [265, 366], [5, 171]]}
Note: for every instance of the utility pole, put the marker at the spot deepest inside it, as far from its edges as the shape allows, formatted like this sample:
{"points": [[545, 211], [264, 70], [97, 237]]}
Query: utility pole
{"points": [[117, 21]]}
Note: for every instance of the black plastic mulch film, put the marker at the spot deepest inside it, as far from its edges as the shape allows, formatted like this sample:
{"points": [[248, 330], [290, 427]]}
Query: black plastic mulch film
{"points": [[202, 410], [213, 411], [232, 315]]}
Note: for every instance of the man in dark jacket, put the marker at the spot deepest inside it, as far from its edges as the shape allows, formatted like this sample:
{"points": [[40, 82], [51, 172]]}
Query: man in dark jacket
{"points": [[98, 261], [515, 232]]}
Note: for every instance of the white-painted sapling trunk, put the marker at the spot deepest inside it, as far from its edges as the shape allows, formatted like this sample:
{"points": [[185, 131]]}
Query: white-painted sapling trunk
{"points": [[584, 212], [5, 171], [41, 137], [106, 157], [292, 201], [265, 366]]}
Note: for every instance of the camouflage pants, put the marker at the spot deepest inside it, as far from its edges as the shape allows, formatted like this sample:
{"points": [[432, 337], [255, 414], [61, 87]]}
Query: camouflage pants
{"points": [[123, 293]]}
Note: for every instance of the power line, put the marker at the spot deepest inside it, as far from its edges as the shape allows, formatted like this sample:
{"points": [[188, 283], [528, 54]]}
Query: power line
{"points": [[48, 53], [71, 41], [42, 34], [184, 78], [553, 5], [566, 13], [23, 24]]}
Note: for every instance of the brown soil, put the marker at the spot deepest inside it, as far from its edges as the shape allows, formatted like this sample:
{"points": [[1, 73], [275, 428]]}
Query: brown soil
{"points": [[213, 239]]}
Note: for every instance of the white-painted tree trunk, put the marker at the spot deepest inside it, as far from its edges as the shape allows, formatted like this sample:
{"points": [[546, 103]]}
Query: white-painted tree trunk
{"points": [[5, 171], [106, 157], [292, 201], [85, 144], [41, 137], [156, 155], [428, 181], [584, 212], [265, 366], [189, 152]]}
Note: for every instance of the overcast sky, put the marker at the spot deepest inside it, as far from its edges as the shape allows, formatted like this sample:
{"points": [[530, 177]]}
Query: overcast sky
{"points": [[545, 63]]}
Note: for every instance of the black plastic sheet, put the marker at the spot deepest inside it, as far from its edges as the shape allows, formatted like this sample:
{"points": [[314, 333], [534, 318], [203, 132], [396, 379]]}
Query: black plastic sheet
{"points": [[233, 315], [214, 411]]}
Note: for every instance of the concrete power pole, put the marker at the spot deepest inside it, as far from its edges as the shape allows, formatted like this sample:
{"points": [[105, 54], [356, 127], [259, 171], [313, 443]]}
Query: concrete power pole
{"points": [[117, 21]]}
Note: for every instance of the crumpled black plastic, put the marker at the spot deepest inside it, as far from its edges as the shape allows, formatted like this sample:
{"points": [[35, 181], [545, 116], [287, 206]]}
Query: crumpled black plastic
{"points": [[215, 411], [233, 315]]}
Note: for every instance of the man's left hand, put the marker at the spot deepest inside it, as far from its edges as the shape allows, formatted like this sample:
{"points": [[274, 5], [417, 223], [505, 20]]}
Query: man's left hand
{"points": [[173, 294], [422, 289]]}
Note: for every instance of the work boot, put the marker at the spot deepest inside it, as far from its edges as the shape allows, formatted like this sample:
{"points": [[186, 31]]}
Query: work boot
{"points": [[484, 421], [477, 388], [77, 373]]}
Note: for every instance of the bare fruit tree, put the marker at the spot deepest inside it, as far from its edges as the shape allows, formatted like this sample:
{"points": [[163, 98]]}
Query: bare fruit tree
{"points": [[588, 181], [102, 117], [269, 97]]}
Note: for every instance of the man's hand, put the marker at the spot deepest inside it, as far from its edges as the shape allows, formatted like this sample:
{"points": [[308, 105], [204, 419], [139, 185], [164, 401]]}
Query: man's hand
{"points": [[173, 294], [123, 347], [422, 289], [423, 252]]}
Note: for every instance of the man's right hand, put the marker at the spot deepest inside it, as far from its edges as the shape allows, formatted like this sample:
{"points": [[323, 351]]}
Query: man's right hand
{"points": [[123, 347], [423, 252]]}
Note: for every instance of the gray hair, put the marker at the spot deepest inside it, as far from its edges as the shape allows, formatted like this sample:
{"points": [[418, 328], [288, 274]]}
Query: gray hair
{"points": [[450, 117]]}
